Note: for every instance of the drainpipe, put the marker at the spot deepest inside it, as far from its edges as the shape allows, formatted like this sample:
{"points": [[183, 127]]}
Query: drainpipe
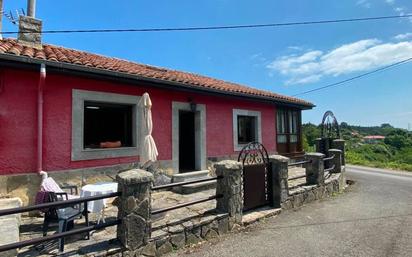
{"points": [[40, 119]]}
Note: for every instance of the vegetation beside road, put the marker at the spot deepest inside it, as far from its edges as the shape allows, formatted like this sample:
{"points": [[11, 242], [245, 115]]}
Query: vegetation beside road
{"points": [[394, 152]]}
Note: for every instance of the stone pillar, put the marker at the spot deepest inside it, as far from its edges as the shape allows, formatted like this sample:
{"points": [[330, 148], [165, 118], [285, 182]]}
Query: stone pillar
{"points": [[315, 173], [337, 160], [134, 208], [230, 187], [340, 144], [278, 180], [318, 145]]}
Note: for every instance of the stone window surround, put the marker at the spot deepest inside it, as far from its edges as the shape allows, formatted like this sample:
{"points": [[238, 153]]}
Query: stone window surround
{"points": [[200, 134], [78, 98], [258, 132]]}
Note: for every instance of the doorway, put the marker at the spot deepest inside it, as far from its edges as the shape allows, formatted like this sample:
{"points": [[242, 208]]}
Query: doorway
{"points": [[187, 142], [193, 126]]}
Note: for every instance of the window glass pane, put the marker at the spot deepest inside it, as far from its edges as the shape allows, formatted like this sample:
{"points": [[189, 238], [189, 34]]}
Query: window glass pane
{"points": [[293, 138], [281, 125], [293, 122], [282, 139], [246, 129], [107, 125]]}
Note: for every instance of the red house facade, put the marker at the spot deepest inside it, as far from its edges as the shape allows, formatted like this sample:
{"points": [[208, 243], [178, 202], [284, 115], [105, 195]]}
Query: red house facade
{"points": [[60, 109]]}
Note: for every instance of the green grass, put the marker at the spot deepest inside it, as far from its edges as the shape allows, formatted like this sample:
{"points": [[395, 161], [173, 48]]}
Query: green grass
{"points": [[359, 159]]}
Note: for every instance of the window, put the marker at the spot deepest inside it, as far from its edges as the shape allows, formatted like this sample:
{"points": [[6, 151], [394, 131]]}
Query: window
{"points": [[293, 126], [281, 126], [246, 128], [107, 125], [104, 125], [288, 122]]}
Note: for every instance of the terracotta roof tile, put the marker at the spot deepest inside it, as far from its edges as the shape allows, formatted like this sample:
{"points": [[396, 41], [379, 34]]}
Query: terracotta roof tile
{"points": [[61, 54]]}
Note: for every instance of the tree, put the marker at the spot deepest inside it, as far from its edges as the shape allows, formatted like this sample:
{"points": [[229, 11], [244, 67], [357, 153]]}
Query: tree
{"points": [[386, 125], [398, 141], [310, 133]]}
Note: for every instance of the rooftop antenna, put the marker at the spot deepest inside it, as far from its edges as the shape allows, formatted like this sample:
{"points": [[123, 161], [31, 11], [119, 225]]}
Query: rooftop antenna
{"points": [[11, 18]]}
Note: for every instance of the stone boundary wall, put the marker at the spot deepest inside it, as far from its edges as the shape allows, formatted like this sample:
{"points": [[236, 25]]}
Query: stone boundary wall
{"points": [[309, 193], [137, 237], [185, 234], [135, 232], [175, 237]]}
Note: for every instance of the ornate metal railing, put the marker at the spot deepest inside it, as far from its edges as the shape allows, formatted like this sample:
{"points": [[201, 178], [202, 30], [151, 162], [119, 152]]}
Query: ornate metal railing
{"points": [[253, 153]]}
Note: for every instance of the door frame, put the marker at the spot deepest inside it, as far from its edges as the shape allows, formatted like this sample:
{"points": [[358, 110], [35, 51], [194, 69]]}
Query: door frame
{"points": [[200, 134]]}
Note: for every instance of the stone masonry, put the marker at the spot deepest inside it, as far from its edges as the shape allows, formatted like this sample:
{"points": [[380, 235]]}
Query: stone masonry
{"points": [[230, 187], [315, 169], [134, 208], [336, 161], [30, 31], [340, 144], [278, 176]]}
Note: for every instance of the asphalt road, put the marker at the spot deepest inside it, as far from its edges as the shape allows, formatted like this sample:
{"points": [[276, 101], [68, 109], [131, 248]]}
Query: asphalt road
{"points": [[373, 218]]}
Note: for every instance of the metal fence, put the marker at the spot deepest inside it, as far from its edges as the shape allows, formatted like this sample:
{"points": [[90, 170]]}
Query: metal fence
{"points": [[182, 205], [57, 204], [327, 171], [297, 164]]}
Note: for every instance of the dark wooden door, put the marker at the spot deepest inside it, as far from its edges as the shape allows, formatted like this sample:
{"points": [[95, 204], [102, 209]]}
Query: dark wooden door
{"points": [[255, 160], [254, 186], [186, 141]]}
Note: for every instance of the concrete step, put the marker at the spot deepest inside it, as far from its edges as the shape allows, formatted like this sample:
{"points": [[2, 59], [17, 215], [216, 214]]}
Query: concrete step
{"points": [[188, 176], [197, 187], [9, 225]]}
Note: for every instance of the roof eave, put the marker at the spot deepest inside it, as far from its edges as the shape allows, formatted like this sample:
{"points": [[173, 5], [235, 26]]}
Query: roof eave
{"points": [[104, 72]]}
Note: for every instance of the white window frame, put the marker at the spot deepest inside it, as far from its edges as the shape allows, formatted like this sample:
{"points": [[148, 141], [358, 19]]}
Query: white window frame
{"points": [[258, 131], [79, 97]]}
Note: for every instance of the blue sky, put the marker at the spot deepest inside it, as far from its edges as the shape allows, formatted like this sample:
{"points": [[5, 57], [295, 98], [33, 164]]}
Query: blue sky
{"points": [[287, 60]]}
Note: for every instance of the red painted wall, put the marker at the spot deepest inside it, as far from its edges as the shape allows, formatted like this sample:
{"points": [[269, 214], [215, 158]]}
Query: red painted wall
{"points": [[18, 120]]}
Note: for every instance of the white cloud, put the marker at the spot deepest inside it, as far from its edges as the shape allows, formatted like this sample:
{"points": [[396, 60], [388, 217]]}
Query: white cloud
{"points": [[358, 56], [296, 48], [399, 10], [403, 36], [305, 80], [364, 3], [287, 64]]}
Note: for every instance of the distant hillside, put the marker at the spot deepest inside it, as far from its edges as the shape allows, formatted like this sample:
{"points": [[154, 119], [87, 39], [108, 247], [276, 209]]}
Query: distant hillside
{"points": [[394, 151]]}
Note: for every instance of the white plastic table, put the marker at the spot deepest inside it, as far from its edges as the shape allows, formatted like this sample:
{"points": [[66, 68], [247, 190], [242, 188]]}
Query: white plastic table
{"points": [[100, 188]]}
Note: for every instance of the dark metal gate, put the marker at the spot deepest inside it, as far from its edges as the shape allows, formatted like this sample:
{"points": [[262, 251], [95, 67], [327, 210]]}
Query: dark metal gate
{"points": [[255, 160]]}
